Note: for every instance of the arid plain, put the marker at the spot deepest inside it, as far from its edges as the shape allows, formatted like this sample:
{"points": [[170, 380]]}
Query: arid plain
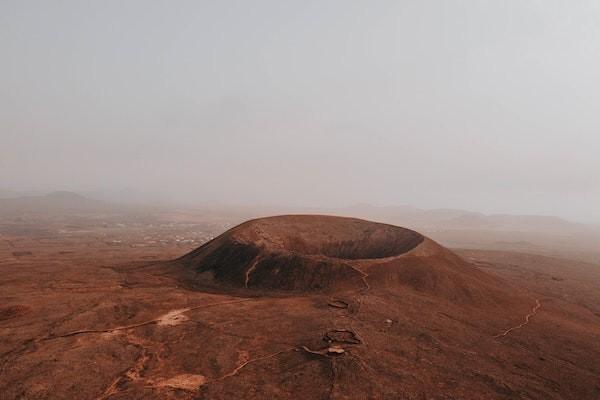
{"points": [[92, 307]]}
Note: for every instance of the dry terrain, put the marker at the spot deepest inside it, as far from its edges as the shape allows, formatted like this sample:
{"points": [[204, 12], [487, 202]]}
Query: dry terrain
{"points": [[91, 308]]}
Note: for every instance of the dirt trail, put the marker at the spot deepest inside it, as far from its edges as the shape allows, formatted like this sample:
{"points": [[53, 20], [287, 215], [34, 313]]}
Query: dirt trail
{"points": [[250, 361], [534, 311], [355, 337], [250, 270], [172, 317], [135, 372], [358, 297], [363, 277]]}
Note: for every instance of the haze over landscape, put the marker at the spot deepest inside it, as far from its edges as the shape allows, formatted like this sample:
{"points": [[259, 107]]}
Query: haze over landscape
{"points": [[485, 106], [333, 200]]}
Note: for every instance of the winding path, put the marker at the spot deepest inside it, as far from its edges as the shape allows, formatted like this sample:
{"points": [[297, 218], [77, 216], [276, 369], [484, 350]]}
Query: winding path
{"points": [[534, 311], [250, 270], [165, 319]]}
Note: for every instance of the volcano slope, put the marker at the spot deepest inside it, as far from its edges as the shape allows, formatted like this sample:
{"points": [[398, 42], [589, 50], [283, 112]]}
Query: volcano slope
{"points": [[413, 319], [303, 254], [310, 307]]}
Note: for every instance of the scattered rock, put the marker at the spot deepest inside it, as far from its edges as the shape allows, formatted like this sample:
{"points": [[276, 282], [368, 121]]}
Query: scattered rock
{"points": [[335, 350], [342, 336], [338, 304]]}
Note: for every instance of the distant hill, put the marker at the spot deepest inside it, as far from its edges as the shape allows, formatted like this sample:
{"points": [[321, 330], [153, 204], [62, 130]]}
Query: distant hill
{"points": [[9, 194], [61, 202], [463, 220], [537, 234]]}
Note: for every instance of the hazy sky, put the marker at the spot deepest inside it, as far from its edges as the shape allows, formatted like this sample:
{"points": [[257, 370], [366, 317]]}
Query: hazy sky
{"points": [[491, 106]]}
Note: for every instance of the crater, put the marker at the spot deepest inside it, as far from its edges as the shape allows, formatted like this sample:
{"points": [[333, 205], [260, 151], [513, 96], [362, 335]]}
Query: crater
{"points": [[303, 254], [298, 252], [333, 237]]}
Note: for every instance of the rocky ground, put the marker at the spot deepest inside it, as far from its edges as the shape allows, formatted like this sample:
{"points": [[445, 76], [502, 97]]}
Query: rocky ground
{"points": [[83, 317]]}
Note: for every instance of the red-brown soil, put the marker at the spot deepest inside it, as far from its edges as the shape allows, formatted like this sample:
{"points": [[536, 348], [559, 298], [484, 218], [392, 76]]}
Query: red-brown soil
{"points": [[308, 253], [84, 316]]}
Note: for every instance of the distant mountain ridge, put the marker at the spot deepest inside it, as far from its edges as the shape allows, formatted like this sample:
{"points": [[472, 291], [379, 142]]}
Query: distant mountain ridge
{"points": [[461, 219], [59, 202]]}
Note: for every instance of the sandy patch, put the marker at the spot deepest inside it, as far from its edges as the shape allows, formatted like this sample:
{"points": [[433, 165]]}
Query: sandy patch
{"points": [[172, 318], [184, 381], [110, 334]]}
